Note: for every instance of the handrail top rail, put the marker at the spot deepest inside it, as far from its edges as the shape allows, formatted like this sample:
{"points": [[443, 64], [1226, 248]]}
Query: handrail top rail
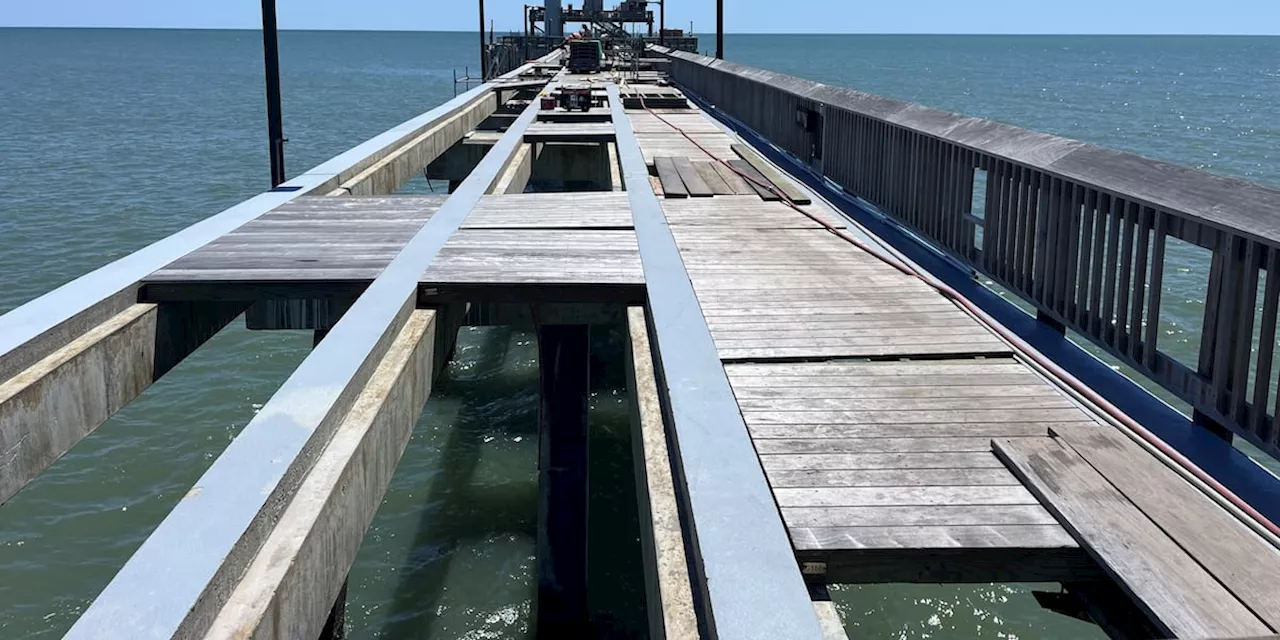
{"points": [[1223, 202]]}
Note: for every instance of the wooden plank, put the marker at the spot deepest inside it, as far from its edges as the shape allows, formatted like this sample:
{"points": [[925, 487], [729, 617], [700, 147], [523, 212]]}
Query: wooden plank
{"points": [[1244, 563], [946, 443], [932, 537], [755, 180], [957, 389], [672, 185], [983, 401], [901, 496], [731, 178], [693, 182], [914, 417], [707, 171], [783, 183], [963, 460], [761, 432], [935, 515], [1167, 583], [779, 478]]}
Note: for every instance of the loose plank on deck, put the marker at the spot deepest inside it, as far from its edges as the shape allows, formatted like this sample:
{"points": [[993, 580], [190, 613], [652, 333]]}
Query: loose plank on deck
{"points": [[672, 185], [1179, 595], [1245, 564], [783, 183], [693, 183]]}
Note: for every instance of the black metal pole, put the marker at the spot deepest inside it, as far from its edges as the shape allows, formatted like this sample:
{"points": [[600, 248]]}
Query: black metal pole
{"points": [[271, 60], [662, 23], [720, 29], [484, 68]]}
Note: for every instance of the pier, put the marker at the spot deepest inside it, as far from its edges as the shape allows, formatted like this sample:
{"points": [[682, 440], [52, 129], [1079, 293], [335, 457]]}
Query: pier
{"points": [[822, 390]]}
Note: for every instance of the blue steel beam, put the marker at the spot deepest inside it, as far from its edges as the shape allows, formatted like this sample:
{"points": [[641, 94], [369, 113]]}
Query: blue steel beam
{"points": [[749, 580], [176, 583]]}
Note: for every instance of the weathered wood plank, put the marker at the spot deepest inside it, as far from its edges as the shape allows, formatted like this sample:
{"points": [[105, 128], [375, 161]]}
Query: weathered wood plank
{"points": [[793, 192], [907, 431], [938, 515], [1167, 583], [913, 417], [945, 477], [962, 460], [672, 185], [731, 178], [932, 537], [755, 180], [901, 496], [707, 171], [1244, 563], [693, 182], [938, 444]]}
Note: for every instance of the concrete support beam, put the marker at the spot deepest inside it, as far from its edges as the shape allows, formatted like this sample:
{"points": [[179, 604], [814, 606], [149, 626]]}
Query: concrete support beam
{"points": [[670, 597], [615, 170], [58, 400], [399, 166], [296, 577], [516, 176]]}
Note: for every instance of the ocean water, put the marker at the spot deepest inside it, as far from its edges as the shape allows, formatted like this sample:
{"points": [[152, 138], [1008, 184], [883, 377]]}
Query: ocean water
{"points": [[110, 140]]}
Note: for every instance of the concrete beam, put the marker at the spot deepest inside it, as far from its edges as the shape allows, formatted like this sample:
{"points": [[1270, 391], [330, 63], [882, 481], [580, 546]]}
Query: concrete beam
{"points": [[615, 170], [670, 597], [54, 403], [391, 172], [295, 578], [516, 176]]}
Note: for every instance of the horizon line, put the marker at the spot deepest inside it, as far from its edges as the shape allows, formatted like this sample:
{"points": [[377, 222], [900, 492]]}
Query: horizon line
{"points": [[710, 33]]}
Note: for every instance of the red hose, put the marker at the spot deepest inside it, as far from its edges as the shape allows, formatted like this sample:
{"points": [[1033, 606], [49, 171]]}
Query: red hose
{"points": [[1016, 341]]}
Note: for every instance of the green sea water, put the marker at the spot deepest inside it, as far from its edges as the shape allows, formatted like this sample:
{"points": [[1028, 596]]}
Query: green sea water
{"points": [[110, 140]]}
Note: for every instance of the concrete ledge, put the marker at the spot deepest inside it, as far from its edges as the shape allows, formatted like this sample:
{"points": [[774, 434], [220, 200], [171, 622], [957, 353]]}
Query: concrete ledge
{"points": [[516, 175], [398, 166], [671, 611], [288, 589], [53, 404]]}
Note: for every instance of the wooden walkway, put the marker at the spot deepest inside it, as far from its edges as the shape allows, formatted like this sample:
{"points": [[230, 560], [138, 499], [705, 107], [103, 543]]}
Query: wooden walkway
{"points": [[900, 438]]}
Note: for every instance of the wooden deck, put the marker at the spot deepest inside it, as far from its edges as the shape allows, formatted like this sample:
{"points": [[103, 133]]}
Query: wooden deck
{"points": [[901, 438]]}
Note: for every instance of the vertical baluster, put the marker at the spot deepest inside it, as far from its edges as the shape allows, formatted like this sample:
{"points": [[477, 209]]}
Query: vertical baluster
{"points": [[991, 220], [1115, 215], [949, 196], [1057, 245], [1012, 186], [1099, 250], [1042, 247], [1027, 240], [972, 163], [1139, 282], [1151, 343], [937, 192], [1258, 422], [1084, 263], [1242, 353], [1123, 337], [1072, 199], [1228, 281]]}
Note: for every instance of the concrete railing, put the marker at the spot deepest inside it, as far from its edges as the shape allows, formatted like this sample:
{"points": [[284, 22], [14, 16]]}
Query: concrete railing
{"points": [[1077, 230]]}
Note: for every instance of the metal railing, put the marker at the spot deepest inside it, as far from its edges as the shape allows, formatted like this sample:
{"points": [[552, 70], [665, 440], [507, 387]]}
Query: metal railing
{"points": [[1077, 230]]}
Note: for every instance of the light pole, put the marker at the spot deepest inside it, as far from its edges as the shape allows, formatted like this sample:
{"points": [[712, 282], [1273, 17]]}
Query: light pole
{"points": [[271, 60]]}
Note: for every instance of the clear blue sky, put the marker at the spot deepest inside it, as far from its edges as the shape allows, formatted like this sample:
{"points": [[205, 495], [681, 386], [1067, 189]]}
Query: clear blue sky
{"points": [[742, 16]]}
